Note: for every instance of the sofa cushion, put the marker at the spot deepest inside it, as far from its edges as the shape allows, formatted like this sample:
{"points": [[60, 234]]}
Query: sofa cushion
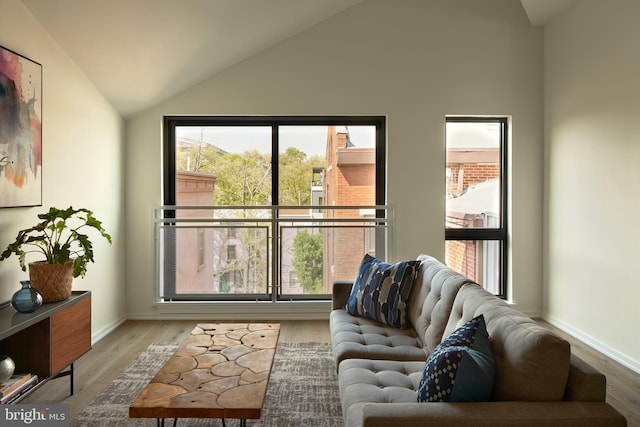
{"points": [[362, 338], [381, 290], [532, 363], [429, 306], [363, 381], [431, 299], [461, 368]]}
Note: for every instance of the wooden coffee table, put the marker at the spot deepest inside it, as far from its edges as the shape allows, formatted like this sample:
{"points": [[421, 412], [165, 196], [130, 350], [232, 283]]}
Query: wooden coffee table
{"points": [[220, 371]]}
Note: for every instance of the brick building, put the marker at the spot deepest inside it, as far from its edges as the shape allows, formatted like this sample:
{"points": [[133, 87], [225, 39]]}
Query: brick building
{"points": [[348, 180], [194, 266], [472, 191]]}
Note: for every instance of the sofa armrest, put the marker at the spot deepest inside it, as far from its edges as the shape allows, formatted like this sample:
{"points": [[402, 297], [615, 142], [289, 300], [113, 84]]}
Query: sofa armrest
{"points": [[490, 414], [585, 383], [340, 293]]}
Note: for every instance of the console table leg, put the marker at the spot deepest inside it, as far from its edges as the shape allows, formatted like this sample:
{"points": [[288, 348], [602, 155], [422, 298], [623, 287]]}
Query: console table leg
{"points": [[69, 373], [71, 378]]}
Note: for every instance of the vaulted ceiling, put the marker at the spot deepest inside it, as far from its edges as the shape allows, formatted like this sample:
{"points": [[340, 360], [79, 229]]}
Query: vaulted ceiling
{"points": [[141, 52]]}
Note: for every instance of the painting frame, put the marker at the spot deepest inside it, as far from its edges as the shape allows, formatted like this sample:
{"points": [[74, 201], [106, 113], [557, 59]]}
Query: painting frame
{"points": [[20, 130]]}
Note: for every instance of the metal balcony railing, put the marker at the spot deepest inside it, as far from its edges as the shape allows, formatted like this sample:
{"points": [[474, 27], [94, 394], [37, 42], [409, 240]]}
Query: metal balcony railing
{"points": [[263, 253]]}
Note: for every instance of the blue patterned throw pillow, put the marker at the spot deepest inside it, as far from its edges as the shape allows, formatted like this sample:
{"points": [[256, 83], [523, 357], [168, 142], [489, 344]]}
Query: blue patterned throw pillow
{"points": [[381, 290], [461, 368]]}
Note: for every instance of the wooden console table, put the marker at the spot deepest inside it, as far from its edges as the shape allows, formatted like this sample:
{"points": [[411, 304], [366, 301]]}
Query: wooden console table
{"points": [[220, 371], [48, 340]]}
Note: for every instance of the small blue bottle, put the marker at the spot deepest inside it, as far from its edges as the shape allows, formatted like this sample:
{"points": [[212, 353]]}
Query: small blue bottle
{"points": [[27, 299]]}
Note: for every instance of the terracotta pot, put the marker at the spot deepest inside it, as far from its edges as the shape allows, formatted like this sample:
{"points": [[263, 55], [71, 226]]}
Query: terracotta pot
{"points": [[52, 281]]}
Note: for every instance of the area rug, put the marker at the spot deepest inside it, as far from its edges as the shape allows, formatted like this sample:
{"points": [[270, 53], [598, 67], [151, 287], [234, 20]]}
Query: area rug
{"points": [[303, 391]]}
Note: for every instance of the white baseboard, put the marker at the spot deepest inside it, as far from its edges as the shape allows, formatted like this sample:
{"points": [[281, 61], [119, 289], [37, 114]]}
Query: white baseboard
{"points": [[107, 330], [622, 359]]}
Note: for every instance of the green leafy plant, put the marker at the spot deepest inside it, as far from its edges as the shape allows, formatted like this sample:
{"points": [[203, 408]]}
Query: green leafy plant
{"points": [[60, 238], [307, 261]]}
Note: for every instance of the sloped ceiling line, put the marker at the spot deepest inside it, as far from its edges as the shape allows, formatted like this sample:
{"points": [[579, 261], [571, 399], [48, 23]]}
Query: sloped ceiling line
{"points": [[139, 53]]}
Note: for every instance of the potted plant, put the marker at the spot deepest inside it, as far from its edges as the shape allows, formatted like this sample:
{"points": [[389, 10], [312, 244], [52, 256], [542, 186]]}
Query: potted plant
{"points": [[67, 251]]}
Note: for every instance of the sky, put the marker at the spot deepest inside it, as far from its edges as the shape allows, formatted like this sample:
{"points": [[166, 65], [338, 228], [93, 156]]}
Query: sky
{"points": [[309, 139], [312, 139], [473, 135]]}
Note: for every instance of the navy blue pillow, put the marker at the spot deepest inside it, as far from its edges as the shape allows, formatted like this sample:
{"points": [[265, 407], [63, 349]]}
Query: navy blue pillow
{"points": [[461, 368], [381, 291]]}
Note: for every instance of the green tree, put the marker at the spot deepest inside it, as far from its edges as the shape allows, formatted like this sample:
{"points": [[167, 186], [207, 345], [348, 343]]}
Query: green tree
{"points": [[307, 261], [296, 173], [196, 157], [242, 179], [245, 178]]}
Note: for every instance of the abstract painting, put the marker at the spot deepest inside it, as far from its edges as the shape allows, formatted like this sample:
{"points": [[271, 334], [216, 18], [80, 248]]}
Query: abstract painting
{"points": [[20, 130]]}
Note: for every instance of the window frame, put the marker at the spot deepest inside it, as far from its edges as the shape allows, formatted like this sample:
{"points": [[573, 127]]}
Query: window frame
{"points": [[499, 234], [169, 139], [171, 122]]}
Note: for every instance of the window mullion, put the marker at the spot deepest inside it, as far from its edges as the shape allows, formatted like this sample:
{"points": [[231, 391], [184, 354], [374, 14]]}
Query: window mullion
{"points": [[475, 234]]}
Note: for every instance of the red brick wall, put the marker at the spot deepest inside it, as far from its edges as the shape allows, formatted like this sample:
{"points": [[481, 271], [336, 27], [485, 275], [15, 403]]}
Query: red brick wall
{"points": [[473, 173], [460, 255], [344, 185]]}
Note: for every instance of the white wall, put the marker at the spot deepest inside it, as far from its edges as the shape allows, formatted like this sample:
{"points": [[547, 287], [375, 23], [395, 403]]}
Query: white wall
{"points": [[413, 61], [83, 165], [592, 134]]}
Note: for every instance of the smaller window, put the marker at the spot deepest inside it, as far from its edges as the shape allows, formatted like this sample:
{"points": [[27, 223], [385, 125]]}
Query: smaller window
{"points": [[231, 252], [476, 199]]}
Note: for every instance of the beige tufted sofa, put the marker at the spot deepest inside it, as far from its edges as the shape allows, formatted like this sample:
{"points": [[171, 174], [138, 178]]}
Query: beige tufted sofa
{"points": [[538, 381]]}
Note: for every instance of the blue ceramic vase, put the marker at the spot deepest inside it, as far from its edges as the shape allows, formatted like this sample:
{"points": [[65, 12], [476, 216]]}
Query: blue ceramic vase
{"points": [[27, 299]]}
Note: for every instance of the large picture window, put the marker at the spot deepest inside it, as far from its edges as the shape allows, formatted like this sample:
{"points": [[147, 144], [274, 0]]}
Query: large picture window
{"points": [[262, 200], [476, 199]]}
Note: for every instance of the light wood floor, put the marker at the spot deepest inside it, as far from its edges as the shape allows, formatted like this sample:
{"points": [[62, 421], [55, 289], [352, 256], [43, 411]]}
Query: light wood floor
{"points": [[113, 353], [623, 384], [108, 357]]}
